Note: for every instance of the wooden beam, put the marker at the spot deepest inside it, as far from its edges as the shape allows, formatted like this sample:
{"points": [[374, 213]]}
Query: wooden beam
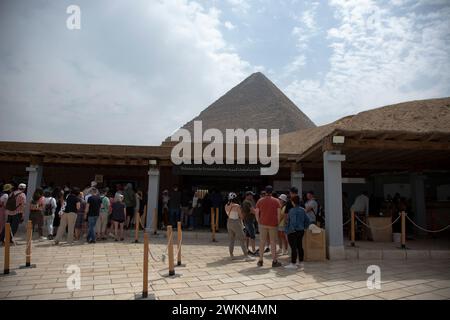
{"points": [[396, 145]]}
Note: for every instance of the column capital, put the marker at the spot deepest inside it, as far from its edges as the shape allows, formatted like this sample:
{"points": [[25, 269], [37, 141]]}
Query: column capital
{"points": [[333, 155], [153, 172], [33, 168]]}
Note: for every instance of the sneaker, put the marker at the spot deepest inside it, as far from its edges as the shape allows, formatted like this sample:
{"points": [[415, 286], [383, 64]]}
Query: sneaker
{"points": [[260, 263], [231, 257], [266, 250], [249, 258], [250, 253], [256, 253], [56, 242], [291, 266], [276, 264], [300, 265]]}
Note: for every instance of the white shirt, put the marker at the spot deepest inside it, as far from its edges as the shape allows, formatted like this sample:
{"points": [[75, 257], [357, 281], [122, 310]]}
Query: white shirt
{"points": [[361, 204], [233, 213]]}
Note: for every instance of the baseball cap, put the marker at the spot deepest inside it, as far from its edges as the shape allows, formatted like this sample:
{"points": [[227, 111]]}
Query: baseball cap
{"points": [[249, 193], [283, 197], [269, 189], [22, 186], [232, 196]]}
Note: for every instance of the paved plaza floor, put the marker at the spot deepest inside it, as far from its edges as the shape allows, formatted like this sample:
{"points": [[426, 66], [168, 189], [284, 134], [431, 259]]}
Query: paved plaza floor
{"points": [[113, 270]]}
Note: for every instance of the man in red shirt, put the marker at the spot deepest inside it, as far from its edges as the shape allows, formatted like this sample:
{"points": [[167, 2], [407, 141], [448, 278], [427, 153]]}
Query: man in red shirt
{"points": [[267, 212]]}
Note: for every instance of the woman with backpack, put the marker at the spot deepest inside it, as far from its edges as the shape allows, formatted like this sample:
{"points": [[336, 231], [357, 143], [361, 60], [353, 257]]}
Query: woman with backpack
{"points": [[49, 213], [235, 226], [36, 210]]}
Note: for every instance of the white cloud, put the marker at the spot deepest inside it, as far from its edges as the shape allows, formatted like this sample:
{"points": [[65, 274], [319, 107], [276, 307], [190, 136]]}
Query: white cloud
{"points": [[229, 25], [378, 58], [121, 79], [239, 6]]}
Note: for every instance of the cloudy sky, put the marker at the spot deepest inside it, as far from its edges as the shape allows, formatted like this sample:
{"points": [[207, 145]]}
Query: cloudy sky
{"points": [[137, 70]]}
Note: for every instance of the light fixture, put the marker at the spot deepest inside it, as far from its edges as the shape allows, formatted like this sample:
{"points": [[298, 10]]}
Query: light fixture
{"points": [[152, 162], [338, 139]]}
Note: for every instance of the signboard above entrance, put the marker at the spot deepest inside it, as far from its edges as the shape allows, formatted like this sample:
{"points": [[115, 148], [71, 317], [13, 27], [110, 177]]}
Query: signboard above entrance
{"points": [[217, 170]]}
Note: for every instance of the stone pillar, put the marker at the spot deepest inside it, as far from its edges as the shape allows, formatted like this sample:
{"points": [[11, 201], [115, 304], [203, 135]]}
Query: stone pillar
{"points": [[34, 181], [418, 200], [333, 204], [297, 181], [152, 196]]}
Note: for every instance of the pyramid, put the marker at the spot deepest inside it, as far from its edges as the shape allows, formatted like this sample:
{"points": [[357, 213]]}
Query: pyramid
{"points": [[254, 103]]}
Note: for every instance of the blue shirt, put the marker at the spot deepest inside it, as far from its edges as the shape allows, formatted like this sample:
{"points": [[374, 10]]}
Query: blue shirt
{"points": [[297, 220]]}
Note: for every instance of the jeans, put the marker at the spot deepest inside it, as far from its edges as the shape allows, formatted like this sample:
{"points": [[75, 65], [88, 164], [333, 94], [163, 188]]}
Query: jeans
{"points": [[92, 221], [295, 241], [174, 216], [14, 221]]}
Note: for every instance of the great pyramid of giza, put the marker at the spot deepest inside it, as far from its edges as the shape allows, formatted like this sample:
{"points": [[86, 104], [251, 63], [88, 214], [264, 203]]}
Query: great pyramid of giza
{"points": [[254, 103]]}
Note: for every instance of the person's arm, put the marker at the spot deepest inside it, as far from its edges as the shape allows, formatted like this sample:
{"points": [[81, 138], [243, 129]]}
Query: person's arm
{"points": [[257, 214], [86, 209], [241, 215], [125, 213], [306, 222], [53, 204]]}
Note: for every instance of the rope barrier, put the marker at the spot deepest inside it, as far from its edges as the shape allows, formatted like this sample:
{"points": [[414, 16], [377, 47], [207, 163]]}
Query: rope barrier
{"points": [[374, 228], [347, 222], [427, 230]]}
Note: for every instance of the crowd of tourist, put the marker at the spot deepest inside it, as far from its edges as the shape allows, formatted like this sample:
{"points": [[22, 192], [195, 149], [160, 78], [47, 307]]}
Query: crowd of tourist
{"points": [[97, 213]]}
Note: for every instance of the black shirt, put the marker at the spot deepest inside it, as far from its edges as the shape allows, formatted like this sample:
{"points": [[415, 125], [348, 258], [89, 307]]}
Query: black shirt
{"points": [[71, 203], [95, 202]]}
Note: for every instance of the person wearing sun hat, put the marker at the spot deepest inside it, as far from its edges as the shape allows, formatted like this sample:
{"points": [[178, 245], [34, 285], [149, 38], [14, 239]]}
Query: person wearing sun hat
{"points": [[15, 207], [7, 188]]}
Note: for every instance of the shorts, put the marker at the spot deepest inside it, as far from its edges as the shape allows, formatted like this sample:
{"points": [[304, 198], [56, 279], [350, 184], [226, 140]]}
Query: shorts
{"points": [[250, 230], [37, 218], [268, 232], [130, 212]]}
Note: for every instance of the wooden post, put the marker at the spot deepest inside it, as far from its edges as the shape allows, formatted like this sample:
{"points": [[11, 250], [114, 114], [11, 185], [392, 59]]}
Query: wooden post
{"points": [[28, 247], [179, 243], [137, 221], [145, 280], [352, 226], [7, 244], [403, 214], [213, 226], [170, 251], [217, 219]]}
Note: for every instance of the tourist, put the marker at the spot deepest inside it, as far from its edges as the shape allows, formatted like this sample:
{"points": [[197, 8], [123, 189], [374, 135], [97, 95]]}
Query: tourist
{"points": [[49, 212], [361, 209], [282, 239], [58, 194], [79, 223], [36, 210], [206, 209], [15, 208], [234, 226], [92, 212], [118, 216], [102, 221], [174, 206], [7, 188], [165, 208], [311, 207], [68, 216], [248, 211], [216, 205], [296, 224], [186, 203], [267, 213], [129, 197]]}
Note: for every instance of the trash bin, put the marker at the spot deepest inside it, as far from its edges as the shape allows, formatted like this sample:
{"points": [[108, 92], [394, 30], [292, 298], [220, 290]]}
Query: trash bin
{"points": [[314, 245]]}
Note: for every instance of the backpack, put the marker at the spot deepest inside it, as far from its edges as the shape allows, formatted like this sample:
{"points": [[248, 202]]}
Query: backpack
{"points": [[48, 209], [11, 203]]}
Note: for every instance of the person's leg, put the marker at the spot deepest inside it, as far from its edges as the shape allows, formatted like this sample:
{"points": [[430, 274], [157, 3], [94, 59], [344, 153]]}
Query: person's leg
{"points": [[71, 219], [15, 221], [116, 227], [40, 224], [230, 237], [241, 238], [263, 235], [273, 242], [300, 245], [50, 225], [293, 244], [217, 219], [94, 222], [121, 231], [61, 227]]}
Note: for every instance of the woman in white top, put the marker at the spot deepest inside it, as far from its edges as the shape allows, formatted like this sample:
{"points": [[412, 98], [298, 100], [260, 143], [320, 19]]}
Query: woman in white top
{"points": [[235, 226]]}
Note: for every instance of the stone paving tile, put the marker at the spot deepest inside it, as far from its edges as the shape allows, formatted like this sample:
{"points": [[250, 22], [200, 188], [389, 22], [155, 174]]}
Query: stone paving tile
{"points": [[112, 270]]}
